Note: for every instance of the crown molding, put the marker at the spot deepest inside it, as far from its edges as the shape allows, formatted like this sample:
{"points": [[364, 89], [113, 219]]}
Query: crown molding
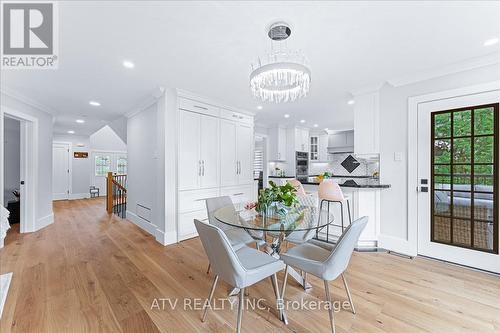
{"points": [[189, 95], [27, 100], [147, 102], [367, 89], [458, 67]]}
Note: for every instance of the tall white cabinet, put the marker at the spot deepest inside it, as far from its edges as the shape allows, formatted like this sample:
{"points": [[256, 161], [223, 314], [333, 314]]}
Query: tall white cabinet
{"points": [[215, 157]]}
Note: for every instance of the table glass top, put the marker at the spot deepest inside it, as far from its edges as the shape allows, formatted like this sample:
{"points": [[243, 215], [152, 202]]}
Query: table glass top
{"points": [[299, 218]]}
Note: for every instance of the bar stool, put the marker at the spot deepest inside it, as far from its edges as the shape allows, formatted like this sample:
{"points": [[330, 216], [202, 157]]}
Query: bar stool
{"points": [[330, 192], [298, 186]]}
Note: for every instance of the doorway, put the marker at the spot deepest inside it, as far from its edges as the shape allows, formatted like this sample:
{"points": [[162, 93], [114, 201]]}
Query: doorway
{"points": [[12, 169], [61, 171], [458, 175], [28, 132], [104, 162]]}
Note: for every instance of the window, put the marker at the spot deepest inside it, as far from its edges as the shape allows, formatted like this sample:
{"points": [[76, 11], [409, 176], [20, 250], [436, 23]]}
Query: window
{"points": [[464, 178], [121, 165], [258, 162], [314, 148], [102, 165]]}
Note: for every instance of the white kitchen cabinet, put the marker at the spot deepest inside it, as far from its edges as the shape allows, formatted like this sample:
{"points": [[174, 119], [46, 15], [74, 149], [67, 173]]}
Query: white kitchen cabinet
{"points": [[277, 144], [244, 149], [301, 139], [323, 148], [198, 151], [229, 165], [238, 194], [236, 146], [366, 124]]}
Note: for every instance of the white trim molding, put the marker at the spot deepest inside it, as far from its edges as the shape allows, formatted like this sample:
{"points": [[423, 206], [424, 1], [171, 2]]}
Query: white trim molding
{"points": [[142, 223], [462, 66], [44, 221], [26, 100], [412, 181]]}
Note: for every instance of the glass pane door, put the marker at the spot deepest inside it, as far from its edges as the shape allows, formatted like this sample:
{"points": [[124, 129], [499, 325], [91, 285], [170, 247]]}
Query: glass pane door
{"points": [[464, 177]]}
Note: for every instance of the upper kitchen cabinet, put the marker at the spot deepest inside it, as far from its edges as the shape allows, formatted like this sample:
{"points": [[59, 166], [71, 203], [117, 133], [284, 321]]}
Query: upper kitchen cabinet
{"points": [[301, 139], [341, 142], [277, 144], [366, 123], [318, 147], [198, 151]]}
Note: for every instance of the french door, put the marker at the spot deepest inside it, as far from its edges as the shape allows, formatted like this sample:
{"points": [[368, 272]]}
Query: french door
{"points": [[458, 175], [105, 162]]}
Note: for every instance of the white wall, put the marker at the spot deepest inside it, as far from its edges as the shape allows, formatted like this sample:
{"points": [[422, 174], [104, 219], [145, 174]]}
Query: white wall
{"points": [[143, 163], [119, 126], [106, 139], [43, 209], [394, 110], [81, 168], [12, 157]]}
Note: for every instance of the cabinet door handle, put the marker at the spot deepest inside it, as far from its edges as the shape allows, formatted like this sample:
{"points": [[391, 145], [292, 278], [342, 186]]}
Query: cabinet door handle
{"points": [[236, 167], [238, 194], [200, 107], [199, 168], [203, 167]]}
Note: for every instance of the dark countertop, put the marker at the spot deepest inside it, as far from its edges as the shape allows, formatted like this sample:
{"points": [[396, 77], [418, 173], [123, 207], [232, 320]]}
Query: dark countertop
{"points": [[358, 183], [281, 177]]}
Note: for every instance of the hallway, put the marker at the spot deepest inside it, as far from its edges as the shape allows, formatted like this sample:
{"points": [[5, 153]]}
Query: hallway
{"points": [[92, 272]]}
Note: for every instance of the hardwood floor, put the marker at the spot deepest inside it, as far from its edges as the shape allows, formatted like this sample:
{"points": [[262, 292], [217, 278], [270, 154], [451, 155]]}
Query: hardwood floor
{"points": [[89, 272]]}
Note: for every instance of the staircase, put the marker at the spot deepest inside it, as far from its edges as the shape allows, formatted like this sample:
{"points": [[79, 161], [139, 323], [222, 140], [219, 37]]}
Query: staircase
{"points": [[116, 194]]}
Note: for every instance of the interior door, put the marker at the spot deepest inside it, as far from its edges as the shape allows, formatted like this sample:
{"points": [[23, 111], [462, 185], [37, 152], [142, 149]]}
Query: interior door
{"points": [[60, 171], [245, 153], [209, 151], [189, 151], [229, 165], [458, 174]]}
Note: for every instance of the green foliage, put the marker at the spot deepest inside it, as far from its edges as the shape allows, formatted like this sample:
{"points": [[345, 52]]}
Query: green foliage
{"points": [[483, 124], [285, 194]]}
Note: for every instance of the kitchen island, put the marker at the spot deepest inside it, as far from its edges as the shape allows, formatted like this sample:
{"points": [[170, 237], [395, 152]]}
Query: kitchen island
{"points": [[364, 200]]}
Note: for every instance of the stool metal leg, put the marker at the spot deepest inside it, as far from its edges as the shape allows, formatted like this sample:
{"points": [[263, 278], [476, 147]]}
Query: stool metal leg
{"points": [[349, 211], [341, 215]]}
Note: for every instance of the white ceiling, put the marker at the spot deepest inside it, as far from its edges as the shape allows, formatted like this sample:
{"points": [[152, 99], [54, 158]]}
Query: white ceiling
{"points": [[207, 48]]}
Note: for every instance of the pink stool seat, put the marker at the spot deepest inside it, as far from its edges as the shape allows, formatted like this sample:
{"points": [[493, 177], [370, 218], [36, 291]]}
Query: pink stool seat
{"points": [[330, 191], [298, 186]]}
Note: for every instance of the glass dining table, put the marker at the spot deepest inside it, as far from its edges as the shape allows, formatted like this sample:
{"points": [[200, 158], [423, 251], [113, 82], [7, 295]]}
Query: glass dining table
{"points": [[294, 224]]}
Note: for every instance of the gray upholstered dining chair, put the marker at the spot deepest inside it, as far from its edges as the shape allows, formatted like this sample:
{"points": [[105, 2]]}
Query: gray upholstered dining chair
{"points": [[312, 257], [239, 268], [237, 237]]}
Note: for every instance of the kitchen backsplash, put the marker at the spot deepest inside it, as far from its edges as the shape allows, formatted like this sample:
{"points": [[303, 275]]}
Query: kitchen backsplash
{"points": [[368, 165]]}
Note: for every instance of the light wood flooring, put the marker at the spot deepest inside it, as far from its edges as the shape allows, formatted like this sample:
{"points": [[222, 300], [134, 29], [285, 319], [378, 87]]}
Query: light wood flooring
{"points": [[89, 272]]}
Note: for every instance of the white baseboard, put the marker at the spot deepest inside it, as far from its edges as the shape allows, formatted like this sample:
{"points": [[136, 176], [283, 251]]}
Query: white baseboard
{"points": [[76, 196], [44, 221], [160, 237], [142, 223], [396, 244], [170, 237]]}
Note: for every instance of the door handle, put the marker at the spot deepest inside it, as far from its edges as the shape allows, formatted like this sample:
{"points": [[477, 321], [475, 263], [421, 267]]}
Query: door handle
{"points": [[199, 168], [203, 167]]}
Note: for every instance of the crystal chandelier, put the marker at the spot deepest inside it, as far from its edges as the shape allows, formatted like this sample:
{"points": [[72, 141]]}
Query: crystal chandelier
{"points": [[282, 75]]}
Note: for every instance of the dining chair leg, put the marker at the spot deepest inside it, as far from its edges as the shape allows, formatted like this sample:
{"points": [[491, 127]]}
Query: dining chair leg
{"points": [[209, 300], [330, 305], [208, 269], [348, 293], [342, 215], [279, 300], [240, 310], [285, 319]]}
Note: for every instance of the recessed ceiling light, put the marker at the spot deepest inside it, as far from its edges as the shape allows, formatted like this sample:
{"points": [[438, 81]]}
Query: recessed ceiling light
{"points": [[71, 132], [326, 129], [128, 64], [259, 107], [286, 115], [350, 102], [315, 125], [491, 41], [80, 121], [94, 103], [302, 121]]}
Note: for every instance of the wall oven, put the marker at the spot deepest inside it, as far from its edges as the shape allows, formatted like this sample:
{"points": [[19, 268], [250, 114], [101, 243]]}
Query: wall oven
{"points": [[301, 165]]}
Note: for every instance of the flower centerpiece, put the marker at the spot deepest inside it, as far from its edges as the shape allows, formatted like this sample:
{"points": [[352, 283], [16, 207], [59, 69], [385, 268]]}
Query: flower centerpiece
{"points": [[276, 200]]}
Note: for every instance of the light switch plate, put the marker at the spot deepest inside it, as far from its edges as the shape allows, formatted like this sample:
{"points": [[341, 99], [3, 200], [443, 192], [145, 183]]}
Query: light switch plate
{"points": [[398, 156]]}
